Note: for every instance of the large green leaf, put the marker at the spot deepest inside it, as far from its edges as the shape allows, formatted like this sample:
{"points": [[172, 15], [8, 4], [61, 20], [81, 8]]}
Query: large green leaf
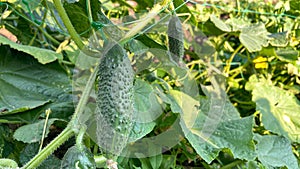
{"points": [[27, 84], [275, 151], [254, 37], [42, 55], [217, 125], [279, 108], [32, 133]]}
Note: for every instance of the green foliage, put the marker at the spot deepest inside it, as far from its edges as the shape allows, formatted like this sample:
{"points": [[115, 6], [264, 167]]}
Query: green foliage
{"points": [[42, 55], [31, 149], [269, 147], [8, 163], [232, 102], [31, 83], [22, 134]]}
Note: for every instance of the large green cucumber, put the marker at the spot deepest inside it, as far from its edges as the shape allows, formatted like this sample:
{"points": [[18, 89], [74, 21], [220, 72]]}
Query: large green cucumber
{"points": [[175, 37], [114, 101]]}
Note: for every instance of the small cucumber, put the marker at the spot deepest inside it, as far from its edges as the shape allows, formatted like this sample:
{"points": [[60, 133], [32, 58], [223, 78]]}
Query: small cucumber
{"points": [[79, 159], [175, 37], [114, 101]]}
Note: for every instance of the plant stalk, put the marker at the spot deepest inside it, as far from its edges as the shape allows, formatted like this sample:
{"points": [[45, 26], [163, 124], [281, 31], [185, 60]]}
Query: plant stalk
{"points": [[232, 164], [62, 13], [48, 150]]}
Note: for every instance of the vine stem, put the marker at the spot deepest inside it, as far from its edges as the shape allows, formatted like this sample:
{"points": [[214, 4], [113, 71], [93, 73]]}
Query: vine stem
{"points": [[62, 13], [232, 164], [72, 128], [48, 150], [227, 67]]}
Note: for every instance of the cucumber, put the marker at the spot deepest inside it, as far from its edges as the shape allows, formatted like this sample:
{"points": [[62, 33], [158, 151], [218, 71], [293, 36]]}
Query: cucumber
{"points": [[175, 37], [114, 100], [79, 159]]}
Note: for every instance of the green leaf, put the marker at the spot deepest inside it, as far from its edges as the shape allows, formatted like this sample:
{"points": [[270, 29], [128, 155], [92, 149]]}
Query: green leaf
{"points": [[287, 54], [275, 151], [220, 24], [217, 126], [139, 130], [279, 39], [188, 105], [78, 17], [42, 55], [145, 163], [254, 37], [7, 163], [27, 84], [146, 105], [184, 78], [32, 133], [169, 161], [155, 161], [278, 107]]}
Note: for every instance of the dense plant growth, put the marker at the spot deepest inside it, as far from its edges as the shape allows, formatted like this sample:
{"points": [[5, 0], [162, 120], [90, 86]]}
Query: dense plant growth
{"points": [[149, 84]]}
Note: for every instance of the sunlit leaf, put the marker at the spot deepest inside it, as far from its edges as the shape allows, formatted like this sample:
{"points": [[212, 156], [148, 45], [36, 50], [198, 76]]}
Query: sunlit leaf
{"points": [[279, 108], [220, 24], [218, 125], [7, 163], [275, 151], [42, 55], [254, 37]]}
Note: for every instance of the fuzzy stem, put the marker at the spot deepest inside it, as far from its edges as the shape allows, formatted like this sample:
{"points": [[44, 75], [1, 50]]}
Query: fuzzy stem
{"points": [[62, 13], [42, 155]]}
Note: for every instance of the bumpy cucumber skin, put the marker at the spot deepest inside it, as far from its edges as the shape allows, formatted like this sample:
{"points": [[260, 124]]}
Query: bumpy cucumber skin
{"points": [[175, 37], [114, 99]]}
